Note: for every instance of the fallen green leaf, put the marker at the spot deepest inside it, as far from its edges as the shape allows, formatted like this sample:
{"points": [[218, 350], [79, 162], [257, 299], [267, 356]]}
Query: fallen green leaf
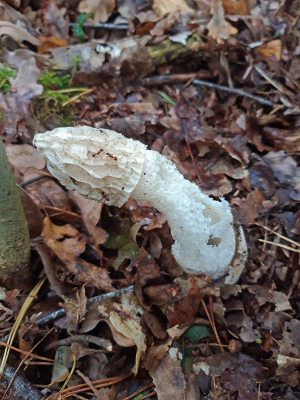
{"points": [[122, 237], [196, 333]]}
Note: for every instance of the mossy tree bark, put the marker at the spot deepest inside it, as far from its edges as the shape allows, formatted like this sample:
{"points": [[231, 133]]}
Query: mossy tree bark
{"points": [[14, 234]]}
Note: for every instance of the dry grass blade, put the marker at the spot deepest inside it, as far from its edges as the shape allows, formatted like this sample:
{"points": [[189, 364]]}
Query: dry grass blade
{"points": [[77, 97], [281, 236], [19, 319], [280, 245]]}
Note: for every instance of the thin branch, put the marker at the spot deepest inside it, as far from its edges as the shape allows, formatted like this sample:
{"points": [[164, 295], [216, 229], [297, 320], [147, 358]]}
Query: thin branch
{"points": [[33, 180], [106, 344], [174, 78], [239, 92], [105, 25], [97, 299]]}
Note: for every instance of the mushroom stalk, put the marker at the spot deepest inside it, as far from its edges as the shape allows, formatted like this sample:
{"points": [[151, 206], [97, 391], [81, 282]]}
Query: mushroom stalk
{"points": [[105, 166]]}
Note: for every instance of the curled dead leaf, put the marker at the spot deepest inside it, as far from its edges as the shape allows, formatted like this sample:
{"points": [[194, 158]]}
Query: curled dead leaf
{"points": [[218, 28], [126, 319]]}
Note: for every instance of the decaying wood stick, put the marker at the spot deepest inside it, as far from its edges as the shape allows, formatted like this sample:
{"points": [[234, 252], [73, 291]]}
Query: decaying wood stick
{"points": [[21, 388], [240, 92]]}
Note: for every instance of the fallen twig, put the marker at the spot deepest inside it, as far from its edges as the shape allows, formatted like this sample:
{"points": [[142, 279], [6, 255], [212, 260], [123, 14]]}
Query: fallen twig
{"points": [[240, 92], [173, 78], [21, 388], [33, 180], [81, 338], [97, 299], [105, 25]]}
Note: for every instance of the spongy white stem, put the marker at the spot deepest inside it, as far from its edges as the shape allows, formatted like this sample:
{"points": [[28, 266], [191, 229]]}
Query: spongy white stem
{"points": [[205, 240]]}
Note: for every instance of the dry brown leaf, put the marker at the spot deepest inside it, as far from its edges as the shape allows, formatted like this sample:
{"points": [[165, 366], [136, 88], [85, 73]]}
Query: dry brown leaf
{"points": [[68, 244], [218, 28], [119, 338], [33, 214], [126, 319], [51, 42], [283, 139], [91, 211], [17, 33], [154, 356], [101, 9], [186, 308], [25, 83], [14, 58], [14, 107], [23, 156], [163, 7], [270, 49], [248, 209], [235, 7], [165, 24], [168, 379]]}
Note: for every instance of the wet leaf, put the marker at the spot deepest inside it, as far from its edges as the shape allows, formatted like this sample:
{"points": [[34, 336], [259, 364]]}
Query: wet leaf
{"points": [[196, 333], [122, 237], [62, 361], [18, 33]]}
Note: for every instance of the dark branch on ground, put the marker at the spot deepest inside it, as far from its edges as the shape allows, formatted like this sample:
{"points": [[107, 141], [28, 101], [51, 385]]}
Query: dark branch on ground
{"points": [[97, 299], [105, 25], [240, 92], [21, 388]]}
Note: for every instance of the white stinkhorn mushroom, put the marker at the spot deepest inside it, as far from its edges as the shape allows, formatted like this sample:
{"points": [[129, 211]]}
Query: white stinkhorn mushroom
{"points": [[105, 166]]}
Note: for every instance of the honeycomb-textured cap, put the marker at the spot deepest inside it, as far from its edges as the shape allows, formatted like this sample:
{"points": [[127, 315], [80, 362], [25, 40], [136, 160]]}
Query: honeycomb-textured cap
{"points": [[100, 164]]}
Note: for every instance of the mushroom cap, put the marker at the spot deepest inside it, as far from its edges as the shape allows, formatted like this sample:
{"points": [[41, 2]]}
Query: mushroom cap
{"points": [[100, 164]]}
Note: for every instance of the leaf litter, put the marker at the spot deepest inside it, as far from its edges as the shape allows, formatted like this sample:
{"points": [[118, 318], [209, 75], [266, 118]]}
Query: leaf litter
{"points": [[176, 336]]}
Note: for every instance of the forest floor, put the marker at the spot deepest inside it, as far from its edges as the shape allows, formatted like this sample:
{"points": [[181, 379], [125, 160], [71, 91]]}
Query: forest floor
{"points": [[213, 86]]}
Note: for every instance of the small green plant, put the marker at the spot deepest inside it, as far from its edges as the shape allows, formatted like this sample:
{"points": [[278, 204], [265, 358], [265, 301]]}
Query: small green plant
{"points": [[78, 28], [5, 74], [51, 81], [65, 120], [76, 61], [57, 91], [57, 97]]}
